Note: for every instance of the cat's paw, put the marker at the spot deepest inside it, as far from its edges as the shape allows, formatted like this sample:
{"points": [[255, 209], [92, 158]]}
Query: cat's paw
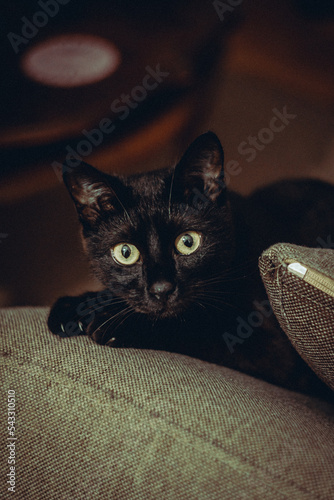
{"points": [[64, 319], [71, 316]]}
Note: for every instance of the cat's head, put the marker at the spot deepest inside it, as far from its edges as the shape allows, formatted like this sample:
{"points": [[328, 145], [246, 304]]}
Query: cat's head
{"points": [[158, 240]]}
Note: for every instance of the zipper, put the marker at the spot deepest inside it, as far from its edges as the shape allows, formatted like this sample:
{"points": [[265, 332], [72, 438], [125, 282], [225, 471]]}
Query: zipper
{"points": [[311, 276]]}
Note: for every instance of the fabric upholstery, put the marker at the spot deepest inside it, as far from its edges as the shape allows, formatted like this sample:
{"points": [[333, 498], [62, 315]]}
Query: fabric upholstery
{"points": [[305, 313], [94, 422]]}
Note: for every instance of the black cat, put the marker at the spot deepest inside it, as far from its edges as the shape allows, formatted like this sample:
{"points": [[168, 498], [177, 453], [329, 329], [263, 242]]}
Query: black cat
{"points": [[177, 254]]}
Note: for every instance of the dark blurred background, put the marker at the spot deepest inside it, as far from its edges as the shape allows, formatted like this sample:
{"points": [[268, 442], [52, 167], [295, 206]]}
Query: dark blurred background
{"points": [[186, 67]]}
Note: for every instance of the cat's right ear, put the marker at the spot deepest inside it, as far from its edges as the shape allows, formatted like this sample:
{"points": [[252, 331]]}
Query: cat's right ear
{"points": [[94, 193], [200, 173]]}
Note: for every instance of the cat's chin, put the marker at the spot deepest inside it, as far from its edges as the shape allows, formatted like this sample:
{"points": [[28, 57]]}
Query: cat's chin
{"points": [[166, 315], [160, 313]]}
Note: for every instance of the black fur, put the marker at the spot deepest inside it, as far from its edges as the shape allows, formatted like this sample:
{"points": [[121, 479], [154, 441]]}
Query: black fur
{"points": [[185, 303]]}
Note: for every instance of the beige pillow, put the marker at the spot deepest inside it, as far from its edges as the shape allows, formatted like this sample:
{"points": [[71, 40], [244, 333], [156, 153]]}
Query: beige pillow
{"points": [[300, 285]]}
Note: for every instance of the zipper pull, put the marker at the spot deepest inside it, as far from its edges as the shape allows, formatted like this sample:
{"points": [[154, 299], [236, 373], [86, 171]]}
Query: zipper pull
{"points": [[297, 269], [313, 277]]}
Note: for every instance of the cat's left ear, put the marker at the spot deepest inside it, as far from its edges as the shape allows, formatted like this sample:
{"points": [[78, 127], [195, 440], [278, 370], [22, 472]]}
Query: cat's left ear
{"points": [[200, 171]]}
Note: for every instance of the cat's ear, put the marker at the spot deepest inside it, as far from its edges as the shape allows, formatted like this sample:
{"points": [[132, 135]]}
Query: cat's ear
{"points": [[93, 192], [200, 173]]}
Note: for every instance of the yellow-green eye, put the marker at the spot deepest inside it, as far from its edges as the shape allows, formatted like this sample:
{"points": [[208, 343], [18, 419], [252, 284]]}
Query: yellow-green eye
{"points": [[187, 243], [125, 254]]}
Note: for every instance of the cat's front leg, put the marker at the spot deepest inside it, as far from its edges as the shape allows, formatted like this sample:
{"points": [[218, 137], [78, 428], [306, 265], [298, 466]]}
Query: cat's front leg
{"points": [[71, 316]]}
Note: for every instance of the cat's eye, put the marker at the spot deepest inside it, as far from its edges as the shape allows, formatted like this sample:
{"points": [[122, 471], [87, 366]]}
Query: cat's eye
{"points": [[125, 254], [187, 243]]}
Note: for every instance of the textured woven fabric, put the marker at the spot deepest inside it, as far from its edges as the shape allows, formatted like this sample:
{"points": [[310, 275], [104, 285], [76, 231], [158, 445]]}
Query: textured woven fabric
{"points": [[305, 313], [99, 423]]}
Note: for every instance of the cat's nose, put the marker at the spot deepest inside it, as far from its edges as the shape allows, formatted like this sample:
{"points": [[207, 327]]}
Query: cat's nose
{"points": [[161, 289]]}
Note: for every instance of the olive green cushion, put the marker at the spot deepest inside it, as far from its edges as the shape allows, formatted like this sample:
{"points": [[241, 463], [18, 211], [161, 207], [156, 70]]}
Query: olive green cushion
{"points": [[305, 311], [99, 423]]}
